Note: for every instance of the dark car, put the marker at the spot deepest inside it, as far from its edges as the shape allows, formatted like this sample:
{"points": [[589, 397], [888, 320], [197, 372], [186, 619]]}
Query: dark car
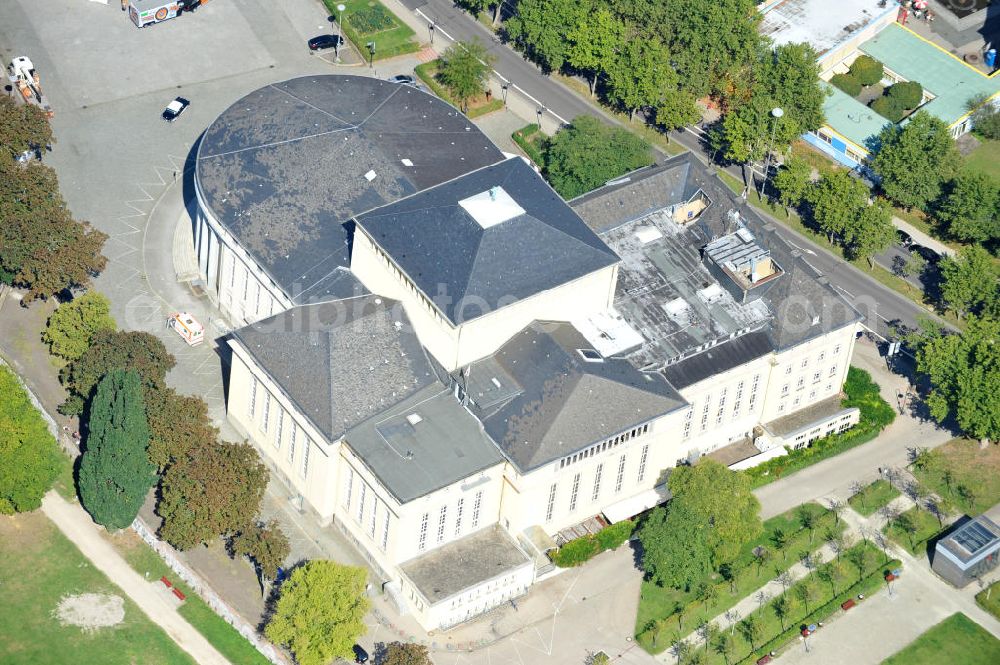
{"points": [[403, 79], [325, 41], [174, 109], [904, 238], [360, 655], [928, 255]]}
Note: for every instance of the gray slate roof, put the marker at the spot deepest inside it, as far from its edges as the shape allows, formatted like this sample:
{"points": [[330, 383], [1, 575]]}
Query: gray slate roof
{"points": [[718, 359], [473, 559], [540, 400], [411, 460], [283, 169], [440, 246], [340, 362]]}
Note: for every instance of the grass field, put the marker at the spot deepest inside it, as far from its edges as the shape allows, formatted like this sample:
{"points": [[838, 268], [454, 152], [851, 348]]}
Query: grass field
{"points": [[957, 640], [223, 637], [964, 475], [925, 526], [657, 622], [368, 20], [873, 497], [985, 158], [989, 599], [38, 566]]}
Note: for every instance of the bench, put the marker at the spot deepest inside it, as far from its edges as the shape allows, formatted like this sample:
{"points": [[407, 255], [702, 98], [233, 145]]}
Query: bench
{"points": [[847, 604], [179, 593], [166, 582]]}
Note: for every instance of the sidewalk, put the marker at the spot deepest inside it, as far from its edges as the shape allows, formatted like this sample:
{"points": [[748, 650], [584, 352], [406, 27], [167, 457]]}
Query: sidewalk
{"points": [[76, 525], [921, 238]]}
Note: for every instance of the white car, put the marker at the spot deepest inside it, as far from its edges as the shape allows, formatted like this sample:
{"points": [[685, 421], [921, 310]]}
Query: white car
{"points": [[174, 109]]}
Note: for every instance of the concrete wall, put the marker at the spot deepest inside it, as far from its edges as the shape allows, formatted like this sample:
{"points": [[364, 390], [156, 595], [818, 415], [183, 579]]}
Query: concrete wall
{"points": [[473, 600]]}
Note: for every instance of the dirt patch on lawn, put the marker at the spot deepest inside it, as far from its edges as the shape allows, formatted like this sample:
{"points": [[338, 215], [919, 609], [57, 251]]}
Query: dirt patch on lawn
{"points": [[90, 611]]}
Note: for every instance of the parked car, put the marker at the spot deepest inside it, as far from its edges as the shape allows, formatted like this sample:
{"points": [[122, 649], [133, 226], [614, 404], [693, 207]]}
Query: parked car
{"points": [[928, 255], [360, 655], [904, 238], [174, 109], [403, 79], [325, 41]]}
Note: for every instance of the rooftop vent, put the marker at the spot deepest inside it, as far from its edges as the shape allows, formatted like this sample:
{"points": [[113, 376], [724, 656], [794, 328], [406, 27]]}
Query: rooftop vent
{"points": [[590, 355], [406, 162], [414, 419], [371, 175]]}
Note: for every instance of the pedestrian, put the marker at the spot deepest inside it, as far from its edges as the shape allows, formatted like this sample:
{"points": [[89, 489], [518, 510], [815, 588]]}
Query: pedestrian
{"points": [[175, 176]]}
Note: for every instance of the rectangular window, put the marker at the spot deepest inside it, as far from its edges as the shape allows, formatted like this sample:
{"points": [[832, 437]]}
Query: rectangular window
{"points": [[373, 519], [359, 517], [422, 540], [257, 303], [385, 529], [801, 382], [836, 349], [597, 482], [822, 356], [833, 370], [305, 458], [642, 462], [621, 474], [267, 412], [458, 516], [736, 409], [279, 428], [687, 430], [573, 493], [291, 445], [788, 370], [232, 273], [552, 503], [816, 377], [805, 363], [246, 283], [476, 505], [442, 516], [349, 488], [253, 395]]}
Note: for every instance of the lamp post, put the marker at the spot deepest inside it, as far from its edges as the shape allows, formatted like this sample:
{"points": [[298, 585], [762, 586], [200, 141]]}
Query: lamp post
{"points": [[430, 31], [776, 113], [371, 52], [340, 28], [503, 91], [538, 112]]}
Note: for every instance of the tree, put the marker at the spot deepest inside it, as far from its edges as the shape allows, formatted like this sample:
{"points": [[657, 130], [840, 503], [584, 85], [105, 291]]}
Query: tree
{"points": [[792, 182], [779, 539], [587, 153], [858, 556], [266, 546], [41, 246], [722, 501], [598, 658], [213, 490], [836, 202], [760, 554], [751, 630], [867, 70], [784, 578], [476, 6], [782, 607], [409, 653], [964, 374], [807, 520], [723, 646], [465, 71], [23, 127], [680, 649], [707, 593], [320, 613], [675, 548], [29, 455], [969, 280], [115, 472], [804, 592], [110, 350], [915, 161], [829, 574], [970, 207], [177, 424], [540, 28], [872, 232], [641, 75], [906, 94], [73, 325], [593, 43], [985, 116]]}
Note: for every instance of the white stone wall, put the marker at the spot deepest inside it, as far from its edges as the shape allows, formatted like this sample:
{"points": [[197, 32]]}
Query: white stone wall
{"points": [[474, 600]]}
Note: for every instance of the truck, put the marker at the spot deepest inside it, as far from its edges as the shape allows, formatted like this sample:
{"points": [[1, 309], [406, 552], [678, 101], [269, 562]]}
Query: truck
{"points": [[147, 12], [26, 81]]}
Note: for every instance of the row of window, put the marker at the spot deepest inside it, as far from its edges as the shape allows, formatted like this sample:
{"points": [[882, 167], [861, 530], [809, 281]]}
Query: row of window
{"points": [[798, 400], [264, 425], [370, 526], [457, 525], [800, 384], [595, 493], [720, 407], [819, 359], [603, 446], [254, 305]]}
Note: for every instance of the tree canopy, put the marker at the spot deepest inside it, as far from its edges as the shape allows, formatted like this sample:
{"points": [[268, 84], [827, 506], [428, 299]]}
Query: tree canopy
{"points": [[968, 281], [836, 201], [793, 181], [212, 490], [871, 232], [177, 424], [29, 454], [587, 153], [265, 545], [115, 472], [594, 42], [915, 161], [964, 372], [402, 653], [675, 547], [23, 127], [73, 325], [971, 207], [465, 71], [540, 27], [320, 613]]}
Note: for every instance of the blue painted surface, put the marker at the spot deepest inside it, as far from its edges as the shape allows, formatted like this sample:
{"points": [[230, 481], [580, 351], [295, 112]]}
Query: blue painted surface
{"points": [[838, 145], [839, 155]]}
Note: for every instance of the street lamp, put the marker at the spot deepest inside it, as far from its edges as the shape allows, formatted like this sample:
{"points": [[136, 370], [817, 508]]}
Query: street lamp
{"points": [[776, 113], [371, 51], [538, 112], [503, 90], [430, 31], [340, 28]]}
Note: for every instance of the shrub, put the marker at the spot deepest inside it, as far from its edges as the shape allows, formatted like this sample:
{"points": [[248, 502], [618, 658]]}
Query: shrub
{"points": [[889, 108], [576, 552], [847, 84], [907, 94], [612, 537], [531, 146], [867, 70]]}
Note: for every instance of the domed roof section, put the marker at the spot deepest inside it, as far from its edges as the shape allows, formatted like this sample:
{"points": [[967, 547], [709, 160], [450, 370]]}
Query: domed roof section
{"points": [[285, 167]]}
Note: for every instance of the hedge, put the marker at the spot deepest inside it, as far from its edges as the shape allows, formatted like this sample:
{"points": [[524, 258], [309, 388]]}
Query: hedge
{"points": [[867, 70], [522, 138], [906, 94], [889, 108], [847, 84], [581, 550]]}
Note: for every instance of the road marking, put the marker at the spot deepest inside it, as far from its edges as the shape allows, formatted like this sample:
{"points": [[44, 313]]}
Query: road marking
{"points": [[846, 292]]}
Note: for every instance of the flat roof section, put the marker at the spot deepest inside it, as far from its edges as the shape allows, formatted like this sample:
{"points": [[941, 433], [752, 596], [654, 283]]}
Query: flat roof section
{"points": [[850, 118], [464, 563], [820, 23], [800, 420]]}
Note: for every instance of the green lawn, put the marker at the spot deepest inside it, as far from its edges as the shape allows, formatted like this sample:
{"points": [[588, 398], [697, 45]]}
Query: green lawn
{"points": [[925, 525], [657, 623], [823, 600], [873, 497], [985, 158], [989, 599], [223, 637], [957, 640], [368, 20], [964, 475], [38, 566], [532, 142]]}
